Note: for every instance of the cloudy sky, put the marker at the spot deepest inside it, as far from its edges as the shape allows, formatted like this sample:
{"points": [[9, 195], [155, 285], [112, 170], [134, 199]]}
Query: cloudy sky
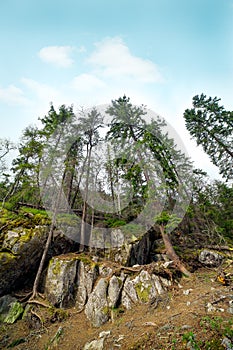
{"points": [[158, 52]]}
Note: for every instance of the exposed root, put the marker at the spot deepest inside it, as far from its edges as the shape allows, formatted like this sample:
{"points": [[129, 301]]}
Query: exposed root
{"points": [[34, 313], [37, 302]]}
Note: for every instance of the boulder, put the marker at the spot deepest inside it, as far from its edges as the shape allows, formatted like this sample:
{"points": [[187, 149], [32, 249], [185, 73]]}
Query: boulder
{"points": [[86, 277], [19, 256], [210, 258], [95, 345], [10, 309], [142, 289], [97, 308], [61, 280], [116, 284]]}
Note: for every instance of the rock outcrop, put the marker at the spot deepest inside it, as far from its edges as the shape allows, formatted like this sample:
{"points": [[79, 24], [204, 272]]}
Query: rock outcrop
{"points": [[99, 288], [21, 251], [19, 256]]}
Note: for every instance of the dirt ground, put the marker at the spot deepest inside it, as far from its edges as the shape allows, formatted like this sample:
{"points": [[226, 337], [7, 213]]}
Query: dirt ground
{"points": [[193, 314]]}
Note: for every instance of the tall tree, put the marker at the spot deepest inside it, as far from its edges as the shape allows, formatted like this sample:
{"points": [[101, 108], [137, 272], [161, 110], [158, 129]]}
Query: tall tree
{"points": [[212, 127], [90, 123], [149, 153]]}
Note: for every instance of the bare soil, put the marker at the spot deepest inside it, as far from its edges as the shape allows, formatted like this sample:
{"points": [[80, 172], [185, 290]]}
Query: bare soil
{"points": [[178, 320]]}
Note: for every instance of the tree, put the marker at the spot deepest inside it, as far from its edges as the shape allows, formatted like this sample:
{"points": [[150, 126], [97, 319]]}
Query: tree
{"points": [[56, 126], [89, 124], [149, 156], [212, 127], [6, 146]]}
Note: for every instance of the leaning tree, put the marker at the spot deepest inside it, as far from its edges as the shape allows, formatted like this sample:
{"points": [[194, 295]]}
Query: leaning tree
{"points": [[212, 127]]}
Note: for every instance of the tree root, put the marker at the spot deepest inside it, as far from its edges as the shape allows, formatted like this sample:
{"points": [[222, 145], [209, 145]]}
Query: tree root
{"points": [[37, 302]]}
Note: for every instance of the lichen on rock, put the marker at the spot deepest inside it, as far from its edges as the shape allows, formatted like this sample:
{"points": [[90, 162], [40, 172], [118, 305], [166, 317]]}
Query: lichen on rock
{"points": [[10, 309]]}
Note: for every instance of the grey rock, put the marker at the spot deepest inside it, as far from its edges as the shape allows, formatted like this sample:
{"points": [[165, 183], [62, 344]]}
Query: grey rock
{"points": [[86, 277], [114, 290], [210, 258], [97, 309], [230, 309], [142, 288], [226, 342], [95, 345], [60, 280]]}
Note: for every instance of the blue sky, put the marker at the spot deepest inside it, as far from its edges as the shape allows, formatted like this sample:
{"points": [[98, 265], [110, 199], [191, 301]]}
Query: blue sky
{"points": [[158, 52]]}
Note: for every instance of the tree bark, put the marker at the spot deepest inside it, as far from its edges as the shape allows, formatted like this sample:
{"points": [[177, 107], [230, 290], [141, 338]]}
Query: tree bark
{"points": [[171, 252]]}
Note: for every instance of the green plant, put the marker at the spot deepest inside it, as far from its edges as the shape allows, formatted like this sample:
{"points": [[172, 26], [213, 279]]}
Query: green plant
{"points": [[190, 339]]}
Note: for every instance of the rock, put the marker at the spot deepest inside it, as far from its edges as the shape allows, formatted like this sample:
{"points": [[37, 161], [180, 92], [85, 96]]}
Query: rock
{"points": [[10, 309], [104, 334], [97, 309], [142, 288], [19, 256], [230, 309], [226, 342], [105, 271], [140, 252], [95, 345], [86, 277], [60, 280], [99, 343], [210, 258], [114, 290], [129, 295]]}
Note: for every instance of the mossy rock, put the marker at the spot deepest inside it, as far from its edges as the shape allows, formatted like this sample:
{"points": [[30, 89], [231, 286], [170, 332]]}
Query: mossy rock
{"points": [[10, 309], [143, 292]]}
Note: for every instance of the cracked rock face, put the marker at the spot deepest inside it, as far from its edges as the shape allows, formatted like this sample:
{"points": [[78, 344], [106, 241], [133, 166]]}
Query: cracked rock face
{"points": [[86, 277], [98, 288], [60, 281], [97, 308]]}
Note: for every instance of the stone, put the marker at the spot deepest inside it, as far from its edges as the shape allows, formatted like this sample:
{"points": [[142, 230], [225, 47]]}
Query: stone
{"points": [[10, 309], [97, 309], [114, 290], [104, 334], [95, 345], [60, 280], [19, 256], [86, 277], [230, 309], [129, 295], [210, 258], [142, 288]]}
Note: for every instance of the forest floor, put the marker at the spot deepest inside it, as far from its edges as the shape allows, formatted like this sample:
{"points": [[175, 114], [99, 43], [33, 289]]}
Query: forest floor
{"points": [[193, 314]]}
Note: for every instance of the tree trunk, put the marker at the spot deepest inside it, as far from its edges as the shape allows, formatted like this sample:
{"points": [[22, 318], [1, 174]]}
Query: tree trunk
{"points": [[171, 252], [83, 222]]}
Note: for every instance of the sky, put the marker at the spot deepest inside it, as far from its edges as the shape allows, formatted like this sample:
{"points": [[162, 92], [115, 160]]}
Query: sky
{"points": [[160, 53]]}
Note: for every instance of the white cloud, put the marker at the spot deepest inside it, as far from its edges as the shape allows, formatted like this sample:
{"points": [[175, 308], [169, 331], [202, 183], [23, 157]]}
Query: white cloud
{"points": [[112, 58], [42, 91], [12, 95], [87, 82], [58, 55]]}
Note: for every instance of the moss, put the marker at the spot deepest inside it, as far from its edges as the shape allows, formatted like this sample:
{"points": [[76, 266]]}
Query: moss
{"points": [[105, 310], [142, 292], [56, 266], [16, 310], [6, 258]]}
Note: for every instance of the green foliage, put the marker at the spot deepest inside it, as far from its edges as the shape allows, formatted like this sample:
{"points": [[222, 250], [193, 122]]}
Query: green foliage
{"points": [[114, 222], [212, 127]]}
